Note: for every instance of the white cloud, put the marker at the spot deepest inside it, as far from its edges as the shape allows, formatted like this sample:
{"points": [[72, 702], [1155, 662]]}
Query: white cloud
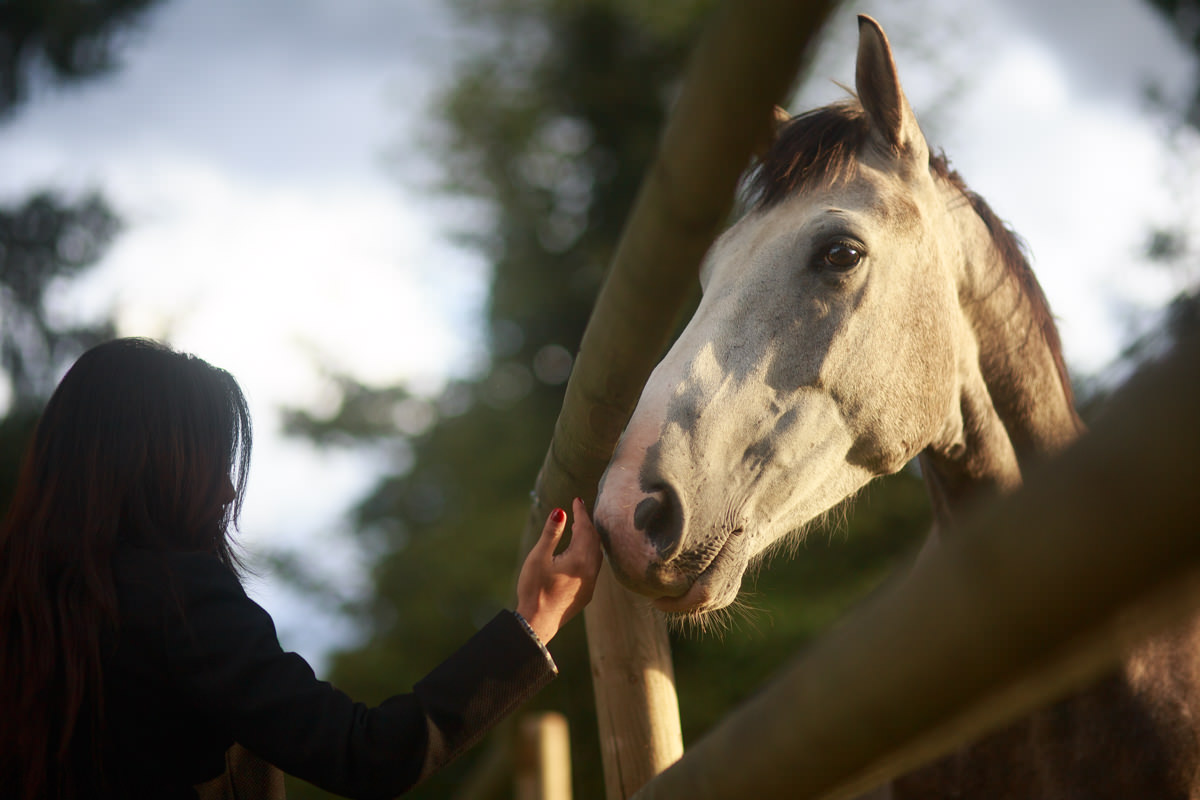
{"points": [[240, 270]]}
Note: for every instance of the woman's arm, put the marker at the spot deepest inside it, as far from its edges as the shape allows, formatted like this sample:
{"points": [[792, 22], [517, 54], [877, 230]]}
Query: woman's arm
{"points": [[227, 663]]}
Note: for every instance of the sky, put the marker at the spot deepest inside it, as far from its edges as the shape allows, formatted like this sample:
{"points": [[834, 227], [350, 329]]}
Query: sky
{"points": [[267, 159]]}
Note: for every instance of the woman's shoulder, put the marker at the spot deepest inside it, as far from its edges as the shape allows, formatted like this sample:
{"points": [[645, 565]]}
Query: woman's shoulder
{"points": [[141, 560], [152, 576]]}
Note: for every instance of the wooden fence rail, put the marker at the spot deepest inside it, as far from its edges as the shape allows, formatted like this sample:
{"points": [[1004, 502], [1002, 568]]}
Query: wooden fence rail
{"points": [[1036, 595]]}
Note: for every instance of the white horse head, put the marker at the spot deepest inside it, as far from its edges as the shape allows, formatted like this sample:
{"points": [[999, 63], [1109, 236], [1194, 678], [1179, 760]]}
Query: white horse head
{"points": [[838, 337]]}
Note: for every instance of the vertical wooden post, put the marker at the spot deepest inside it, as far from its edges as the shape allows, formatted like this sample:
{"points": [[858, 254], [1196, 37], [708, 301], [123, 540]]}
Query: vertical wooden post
{"points": [[742, 67], [634, 681], [543, 758]]}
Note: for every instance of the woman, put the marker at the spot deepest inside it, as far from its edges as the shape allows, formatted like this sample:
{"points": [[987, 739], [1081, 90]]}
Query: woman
{"points": [[131, 658]]}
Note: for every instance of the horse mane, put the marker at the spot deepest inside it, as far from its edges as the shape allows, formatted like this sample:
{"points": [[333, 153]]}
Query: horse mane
{"points": [[819, 149], [814, 150]]}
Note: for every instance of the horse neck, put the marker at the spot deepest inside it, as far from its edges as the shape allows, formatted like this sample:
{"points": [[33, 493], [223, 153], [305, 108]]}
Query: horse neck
{"points": [[1016, 402]]}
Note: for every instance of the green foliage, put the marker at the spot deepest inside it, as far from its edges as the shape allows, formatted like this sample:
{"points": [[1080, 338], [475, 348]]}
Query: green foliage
{"points": [[551, 124]]}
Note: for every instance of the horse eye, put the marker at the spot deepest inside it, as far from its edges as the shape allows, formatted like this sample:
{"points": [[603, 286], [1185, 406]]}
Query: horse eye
{"points": [[842, 256]]}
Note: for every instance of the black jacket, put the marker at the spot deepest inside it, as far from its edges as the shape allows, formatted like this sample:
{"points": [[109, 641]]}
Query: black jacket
{"points": [[196, 665]]}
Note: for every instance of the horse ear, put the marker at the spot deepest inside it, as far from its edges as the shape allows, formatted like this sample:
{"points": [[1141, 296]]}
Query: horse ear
{"points": [[893, 124]]}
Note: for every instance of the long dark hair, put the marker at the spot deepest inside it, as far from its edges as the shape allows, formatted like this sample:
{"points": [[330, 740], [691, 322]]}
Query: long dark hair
{"points": [[140, 446]]}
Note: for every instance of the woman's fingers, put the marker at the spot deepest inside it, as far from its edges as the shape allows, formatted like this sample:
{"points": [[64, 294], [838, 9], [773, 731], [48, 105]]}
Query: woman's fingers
{"points": [[552, 531], [584, 539], [555, 526], [583, 555], [582, 524]]}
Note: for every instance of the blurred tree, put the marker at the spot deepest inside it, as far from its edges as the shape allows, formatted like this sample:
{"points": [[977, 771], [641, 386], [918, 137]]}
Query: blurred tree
{"points": [[59, 40], [44, 242], [549, 125], [1184, 17], [48, 239]]}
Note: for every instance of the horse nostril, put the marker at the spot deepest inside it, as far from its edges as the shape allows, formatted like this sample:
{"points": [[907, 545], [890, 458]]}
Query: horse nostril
{"points": [[660, 517]]}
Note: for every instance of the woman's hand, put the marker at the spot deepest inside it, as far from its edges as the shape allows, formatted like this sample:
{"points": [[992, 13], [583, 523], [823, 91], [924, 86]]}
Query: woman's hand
{"points": [[551, 589]]}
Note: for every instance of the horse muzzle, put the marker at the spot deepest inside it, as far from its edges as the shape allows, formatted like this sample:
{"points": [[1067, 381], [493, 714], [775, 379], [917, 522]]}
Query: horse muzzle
{"points": [[645, 532]]}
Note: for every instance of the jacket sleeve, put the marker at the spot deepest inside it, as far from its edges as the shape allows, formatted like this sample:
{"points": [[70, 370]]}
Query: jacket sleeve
{"points": [[226, 659]]}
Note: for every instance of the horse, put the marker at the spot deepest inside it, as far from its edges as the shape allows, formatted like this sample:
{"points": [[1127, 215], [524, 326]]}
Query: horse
{"points": [[866, 310]]}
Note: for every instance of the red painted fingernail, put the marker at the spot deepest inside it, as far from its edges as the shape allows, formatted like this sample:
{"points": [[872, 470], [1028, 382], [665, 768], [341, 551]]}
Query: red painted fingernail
{"points": [[558, 515]]}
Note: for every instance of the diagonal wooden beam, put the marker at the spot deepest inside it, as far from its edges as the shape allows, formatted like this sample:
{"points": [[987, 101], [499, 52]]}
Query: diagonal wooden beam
{"points": [[1038, 594], [743, 66]]}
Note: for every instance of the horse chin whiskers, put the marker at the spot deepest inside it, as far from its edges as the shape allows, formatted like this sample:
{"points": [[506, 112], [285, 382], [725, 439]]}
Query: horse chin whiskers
{"points": [[714, 622], [743, 611], [834, 521]]}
